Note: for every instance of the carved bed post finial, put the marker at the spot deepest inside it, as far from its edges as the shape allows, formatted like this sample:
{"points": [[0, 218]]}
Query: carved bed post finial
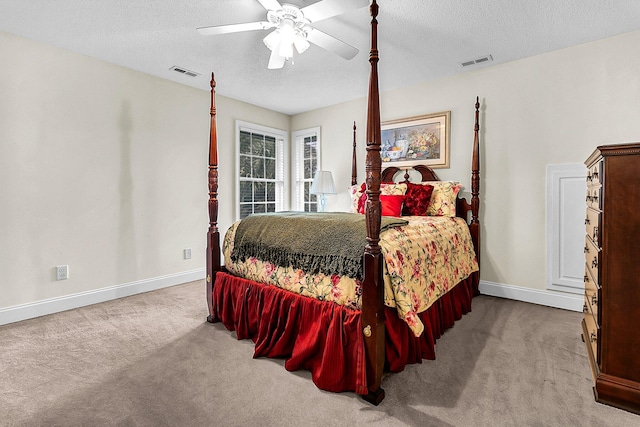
{"points": [[373, 286], [354, 166], [213, 235]]}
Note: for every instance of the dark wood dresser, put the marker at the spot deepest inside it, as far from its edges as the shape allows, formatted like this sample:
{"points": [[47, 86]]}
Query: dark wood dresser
{"points": [[611, 324]]}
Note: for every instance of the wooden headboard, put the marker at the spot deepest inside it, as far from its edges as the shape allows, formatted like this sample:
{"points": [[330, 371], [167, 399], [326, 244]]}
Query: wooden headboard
{"points": [[426, 173]]}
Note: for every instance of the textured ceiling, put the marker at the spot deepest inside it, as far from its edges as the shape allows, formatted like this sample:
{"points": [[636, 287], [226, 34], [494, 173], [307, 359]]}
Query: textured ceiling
{"points": [[419, 40]]}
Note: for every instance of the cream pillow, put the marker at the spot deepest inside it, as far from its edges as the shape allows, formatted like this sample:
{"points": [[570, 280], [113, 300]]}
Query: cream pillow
{"points": [[443, 198]]}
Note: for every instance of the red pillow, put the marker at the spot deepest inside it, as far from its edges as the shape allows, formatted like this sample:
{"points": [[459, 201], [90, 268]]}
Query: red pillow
{"points": [[362, 201], [391, 204], [417, 199]]}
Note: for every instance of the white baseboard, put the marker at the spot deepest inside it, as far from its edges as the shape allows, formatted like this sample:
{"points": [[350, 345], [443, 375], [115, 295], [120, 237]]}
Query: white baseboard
{"points": [[555, 299], [54, 305], [17, 313]]}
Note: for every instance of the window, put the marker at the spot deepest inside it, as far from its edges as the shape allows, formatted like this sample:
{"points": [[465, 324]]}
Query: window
{"points": [[261, 168], [306, 162]]}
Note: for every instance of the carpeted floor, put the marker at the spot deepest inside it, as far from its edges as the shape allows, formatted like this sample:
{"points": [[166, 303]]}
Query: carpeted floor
{"points": [[152, 360]]}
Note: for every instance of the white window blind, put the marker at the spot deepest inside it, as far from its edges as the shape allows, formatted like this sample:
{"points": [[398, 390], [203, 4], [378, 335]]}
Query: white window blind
{"points": [[306, 162], [261, 168]]}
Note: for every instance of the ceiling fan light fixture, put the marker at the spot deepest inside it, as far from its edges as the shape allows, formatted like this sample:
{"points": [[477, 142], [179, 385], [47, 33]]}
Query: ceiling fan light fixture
{"points": [[272, 40], [290, 32], [286, 49], [285, 37], [287, 30], [300, 42]]}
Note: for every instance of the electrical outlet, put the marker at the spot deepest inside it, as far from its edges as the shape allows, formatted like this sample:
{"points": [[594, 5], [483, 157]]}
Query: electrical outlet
{"points": [[62, 272], [187, 253]]}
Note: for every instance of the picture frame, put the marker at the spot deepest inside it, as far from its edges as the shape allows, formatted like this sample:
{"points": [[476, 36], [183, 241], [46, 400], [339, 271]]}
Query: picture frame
{"points": [[420, 140]]}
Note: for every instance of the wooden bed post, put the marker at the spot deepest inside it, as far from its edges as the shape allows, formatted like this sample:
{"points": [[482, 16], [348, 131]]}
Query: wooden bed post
{"points": [[373, 285], [474, 226], [213, 235], [354, 166], [462, 206]]}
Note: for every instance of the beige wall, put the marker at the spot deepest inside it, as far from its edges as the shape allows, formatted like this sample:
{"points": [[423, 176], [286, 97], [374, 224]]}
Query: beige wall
{"points": [[104, 169], [549, 109]]}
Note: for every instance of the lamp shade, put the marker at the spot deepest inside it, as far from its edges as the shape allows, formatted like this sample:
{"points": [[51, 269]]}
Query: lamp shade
{"points": [[323, 183]]}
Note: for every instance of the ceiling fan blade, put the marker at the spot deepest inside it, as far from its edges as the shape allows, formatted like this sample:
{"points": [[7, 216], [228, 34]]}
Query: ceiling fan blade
{"points": [[275, 60], [331, 44], [234, 28], [327, 8], [270, 4]]}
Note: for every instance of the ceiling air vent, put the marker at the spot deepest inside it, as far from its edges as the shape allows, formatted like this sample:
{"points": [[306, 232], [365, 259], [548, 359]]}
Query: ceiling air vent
{"points": [[487, 58], [184, 71]]}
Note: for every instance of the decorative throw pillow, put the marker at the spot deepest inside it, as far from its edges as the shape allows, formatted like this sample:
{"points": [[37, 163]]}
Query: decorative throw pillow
{"points": [[391, 204], [443, 198], [355, 191], [417, 199], [385, 189]]}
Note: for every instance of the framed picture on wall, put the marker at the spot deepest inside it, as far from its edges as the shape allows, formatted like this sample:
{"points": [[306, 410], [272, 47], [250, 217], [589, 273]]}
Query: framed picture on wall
{"points": [[421, 140]]}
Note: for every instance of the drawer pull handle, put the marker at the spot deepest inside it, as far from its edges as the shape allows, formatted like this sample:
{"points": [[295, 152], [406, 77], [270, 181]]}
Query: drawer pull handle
{"points": [[587, 221], [595, 175], [588, 198], [594, 198], [586, 249], [594, 263], [589, 177], [584, 308], [586, 278], [594, 300], [594, 337], [595, 233]]}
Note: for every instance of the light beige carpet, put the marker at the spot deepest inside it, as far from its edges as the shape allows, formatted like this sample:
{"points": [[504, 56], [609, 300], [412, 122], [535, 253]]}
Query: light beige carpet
{"points": [[152, 360]]}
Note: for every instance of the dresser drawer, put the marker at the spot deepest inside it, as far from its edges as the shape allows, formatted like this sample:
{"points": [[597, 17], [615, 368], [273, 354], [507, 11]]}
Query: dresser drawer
{"points": [[591, 301], [590, 283], [592, 258], [591, 295], [594, 175], [593, 334], [594, 197], [592, 224]]}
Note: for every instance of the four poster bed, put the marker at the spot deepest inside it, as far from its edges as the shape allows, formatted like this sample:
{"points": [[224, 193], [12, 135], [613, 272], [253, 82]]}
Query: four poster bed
{"points": [[347, 321]]}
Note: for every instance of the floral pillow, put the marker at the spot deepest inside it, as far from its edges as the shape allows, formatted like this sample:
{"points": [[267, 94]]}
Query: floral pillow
{"points": [[443, 198], [355, 191], [359, 197], [418, 198]]}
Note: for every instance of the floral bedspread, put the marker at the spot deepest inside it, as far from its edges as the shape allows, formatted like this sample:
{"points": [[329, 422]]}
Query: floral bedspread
{"points": [[423, 260]]}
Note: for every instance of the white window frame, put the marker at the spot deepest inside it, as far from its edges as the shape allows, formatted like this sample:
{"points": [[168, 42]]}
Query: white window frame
{"points": [[282, 147], [297, 158]]}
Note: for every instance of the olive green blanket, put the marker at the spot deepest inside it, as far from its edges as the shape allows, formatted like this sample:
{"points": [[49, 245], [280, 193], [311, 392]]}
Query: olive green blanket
{"points": [[328, 243]]}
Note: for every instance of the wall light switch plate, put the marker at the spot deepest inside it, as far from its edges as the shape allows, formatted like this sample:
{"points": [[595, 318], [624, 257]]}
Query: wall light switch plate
{"points": [[187, 253]]}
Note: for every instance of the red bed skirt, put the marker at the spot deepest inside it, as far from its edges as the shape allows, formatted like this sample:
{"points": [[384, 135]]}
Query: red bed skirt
{"points": [[326, 338]]}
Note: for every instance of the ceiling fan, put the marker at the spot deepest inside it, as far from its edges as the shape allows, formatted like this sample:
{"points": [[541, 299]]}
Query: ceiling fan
{"points": [[293, 28]]}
